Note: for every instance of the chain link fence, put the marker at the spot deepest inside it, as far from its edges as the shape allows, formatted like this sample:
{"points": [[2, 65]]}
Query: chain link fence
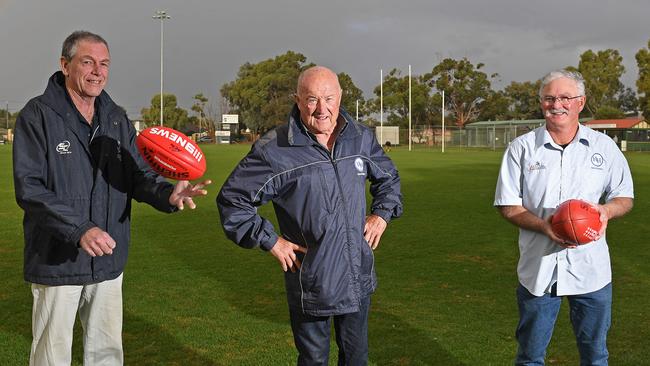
{"points": [[482, 136], [498, 135]]}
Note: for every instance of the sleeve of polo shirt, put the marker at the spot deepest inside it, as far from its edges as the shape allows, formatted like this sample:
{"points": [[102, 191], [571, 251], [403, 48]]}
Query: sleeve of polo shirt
{"points": [[620, 179], [249, 185], [509, 184]]}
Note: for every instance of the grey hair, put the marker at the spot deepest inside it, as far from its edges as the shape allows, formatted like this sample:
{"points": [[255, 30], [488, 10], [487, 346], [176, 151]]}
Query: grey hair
{"points": [[557, 74], [70, 44]]}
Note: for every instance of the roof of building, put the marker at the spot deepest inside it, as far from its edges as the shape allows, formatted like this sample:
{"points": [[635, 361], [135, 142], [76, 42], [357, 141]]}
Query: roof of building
{"points": [[514, 122], [635, 122]]}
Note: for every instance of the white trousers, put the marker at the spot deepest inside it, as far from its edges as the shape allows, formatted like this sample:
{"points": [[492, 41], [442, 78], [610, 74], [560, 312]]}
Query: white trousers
{"points": [[53, 316]]}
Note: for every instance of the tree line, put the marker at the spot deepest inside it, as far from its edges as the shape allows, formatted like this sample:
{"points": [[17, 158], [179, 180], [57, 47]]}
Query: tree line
{"points": [[262, 92]]}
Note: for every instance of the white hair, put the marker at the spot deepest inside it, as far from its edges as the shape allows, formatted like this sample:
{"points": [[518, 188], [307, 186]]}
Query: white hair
{"points": [[558, 74]]}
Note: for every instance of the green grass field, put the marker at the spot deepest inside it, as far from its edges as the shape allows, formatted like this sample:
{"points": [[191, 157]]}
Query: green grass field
{"points": [[446, 274]]}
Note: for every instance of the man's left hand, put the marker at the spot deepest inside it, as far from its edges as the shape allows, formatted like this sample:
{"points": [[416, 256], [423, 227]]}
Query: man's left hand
{"points": [[184, 191], [604, 219], [373, 230]]}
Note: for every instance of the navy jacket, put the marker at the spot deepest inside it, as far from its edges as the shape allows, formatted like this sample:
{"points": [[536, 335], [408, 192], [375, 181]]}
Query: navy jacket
{"points": [[320, 203], [68, 182]]}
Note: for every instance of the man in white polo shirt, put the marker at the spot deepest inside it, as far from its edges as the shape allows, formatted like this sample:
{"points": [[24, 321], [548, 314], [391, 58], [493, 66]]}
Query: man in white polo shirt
{"points": [[541, 169]]}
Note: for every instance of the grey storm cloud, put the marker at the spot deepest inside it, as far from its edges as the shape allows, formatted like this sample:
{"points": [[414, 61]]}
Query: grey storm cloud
{"points": [[207, 41]]}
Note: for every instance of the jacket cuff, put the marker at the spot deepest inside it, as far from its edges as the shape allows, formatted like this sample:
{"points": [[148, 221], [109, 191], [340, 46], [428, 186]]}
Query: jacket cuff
{"points": [[268, 243], [167, 192], [76, 235], [384, 214]]}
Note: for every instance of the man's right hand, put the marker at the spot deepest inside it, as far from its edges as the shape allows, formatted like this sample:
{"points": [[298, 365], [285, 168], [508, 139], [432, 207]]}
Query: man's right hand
{"points": [[97, 242], [548, 230], [285, 252]]}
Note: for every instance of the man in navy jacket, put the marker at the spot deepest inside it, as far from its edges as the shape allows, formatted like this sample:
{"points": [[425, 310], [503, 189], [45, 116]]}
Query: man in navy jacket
{"points": [[314, 170], [76, 169]]}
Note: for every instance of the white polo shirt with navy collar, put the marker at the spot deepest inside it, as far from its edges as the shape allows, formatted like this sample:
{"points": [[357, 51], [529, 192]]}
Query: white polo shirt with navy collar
{"points": [[538, 174]]}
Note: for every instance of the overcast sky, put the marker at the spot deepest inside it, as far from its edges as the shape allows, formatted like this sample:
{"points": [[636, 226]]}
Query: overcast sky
{"points": [[206, 41]]}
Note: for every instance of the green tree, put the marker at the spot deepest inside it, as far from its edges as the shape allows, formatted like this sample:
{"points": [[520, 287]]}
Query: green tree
{"points": [[351, 93], [609, 112], [602, 71], [7, 117], [524, 100], [496, 107], [263, 92], [465, 86], [173, 116], [198, 107], [628, 101], [643, 83]]}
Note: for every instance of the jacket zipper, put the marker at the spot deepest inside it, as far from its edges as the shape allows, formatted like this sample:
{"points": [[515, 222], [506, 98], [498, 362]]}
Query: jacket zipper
{"points": [[346, 211]]}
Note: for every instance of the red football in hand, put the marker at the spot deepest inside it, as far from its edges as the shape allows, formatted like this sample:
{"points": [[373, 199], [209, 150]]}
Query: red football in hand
{"points": [[170, 153], [576, 221]]}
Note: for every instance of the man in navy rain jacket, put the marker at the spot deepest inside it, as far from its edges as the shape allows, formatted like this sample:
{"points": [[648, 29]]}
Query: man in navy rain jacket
{"points": [[314, 170], [76, 169]]}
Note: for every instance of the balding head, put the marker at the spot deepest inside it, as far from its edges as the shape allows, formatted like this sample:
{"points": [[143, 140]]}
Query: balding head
{"points": [[316, 72]]}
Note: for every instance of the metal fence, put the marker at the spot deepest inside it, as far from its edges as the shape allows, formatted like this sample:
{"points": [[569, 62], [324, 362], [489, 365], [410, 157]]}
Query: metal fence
{"points": [[498, 136], [490, 137]]}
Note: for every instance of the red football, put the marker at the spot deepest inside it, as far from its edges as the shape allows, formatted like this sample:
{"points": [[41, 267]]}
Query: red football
{"points": [[171, 153], [576, 221]]}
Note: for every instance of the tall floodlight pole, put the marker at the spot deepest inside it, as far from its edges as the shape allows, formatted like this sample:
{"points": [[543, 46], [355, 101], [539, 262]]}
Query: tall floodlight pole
{"points": [[409, 107], [357, 119], [381, 107], [443, 121], [7, 117], [162, 15]]}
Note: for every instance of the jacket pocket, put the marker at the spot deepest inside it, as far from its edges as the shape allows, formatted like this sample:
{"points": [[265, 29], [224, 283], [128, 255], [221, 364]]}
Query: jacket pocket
{"points": [[367, 274]]}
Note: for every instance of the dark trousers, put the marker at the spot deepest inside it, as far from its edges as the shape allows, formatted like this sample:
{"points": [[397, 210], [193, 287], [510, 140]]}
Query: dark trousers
{"points": [[311, 335]]}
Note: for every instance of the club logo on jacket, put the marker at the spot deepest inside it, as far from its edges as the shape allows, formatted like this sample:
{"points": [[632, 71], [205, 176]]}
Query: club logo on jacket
{"points": [[358, 163], [63, 147]]}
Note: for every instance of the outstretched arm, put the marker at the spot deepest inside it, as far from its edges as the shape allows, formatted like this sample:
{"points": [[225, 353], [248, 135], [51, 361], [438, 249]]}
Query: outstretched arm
{"points": [[184, 192]]}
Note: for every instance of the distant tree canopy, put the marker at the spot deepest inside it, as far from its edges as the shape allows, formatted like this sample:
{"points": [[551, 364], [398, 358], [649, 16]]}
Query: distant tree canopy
{"points": [[466, 87], [609, 112], [524, 100], [643, 83], [602, 71], [173, 116], [351, 94], [7, 119], [199, 107], [497, 106], [263, 92]]}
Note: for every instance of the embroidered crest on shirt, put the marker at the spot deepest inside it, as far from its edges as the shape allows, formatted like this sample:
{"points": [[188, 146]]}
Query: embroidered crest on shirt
{"points": [[537, 166], [597, 161]]}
